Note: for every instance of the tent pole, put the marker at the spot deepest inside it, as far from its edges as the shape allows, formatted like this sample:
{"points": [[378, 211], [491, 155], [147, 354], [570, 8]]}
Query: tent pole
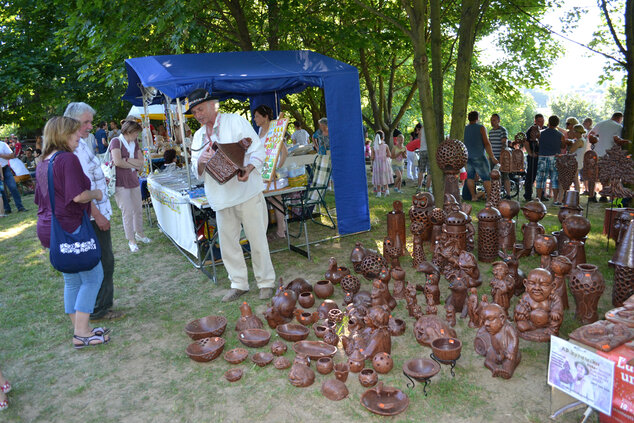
{"points": [[146, 126], [181, 128]]}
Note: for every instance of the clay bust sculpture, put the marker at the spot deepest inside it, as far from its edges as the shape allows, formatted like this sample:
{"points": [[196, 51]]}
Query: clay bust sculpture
{"points": [[502, 344], [539, 312], [534, 211], [301, 375], [502, 285]]}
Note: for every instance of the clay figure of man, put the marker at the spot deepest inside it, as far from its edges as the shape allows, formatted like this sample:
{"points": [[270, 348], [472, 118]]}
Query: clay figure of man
{"points": [[503, 355], [502, 285], [539, 312]]}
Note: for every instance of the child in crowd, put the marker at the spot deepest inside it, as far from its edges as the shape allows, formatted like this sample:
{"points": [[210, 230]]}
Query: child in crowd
{"points": [[398, 155], [577, 147], [381, 171]]}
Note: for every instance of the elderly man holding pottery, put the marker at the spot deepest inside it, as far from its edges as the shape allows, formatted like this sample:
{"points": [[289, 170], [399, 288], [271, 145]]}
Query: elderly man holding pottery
{"points": [[239, 202]]}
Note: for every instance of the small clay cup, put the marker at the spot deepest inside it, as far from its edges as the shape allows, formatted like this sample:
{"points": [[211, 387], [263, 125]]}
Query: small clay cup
{"points": [[262, 358], [341, 371], [324, 365], [281, 363], [368, 378], [233, 375], [324, 289], [306, 299], [320, 330], [447, 349]]}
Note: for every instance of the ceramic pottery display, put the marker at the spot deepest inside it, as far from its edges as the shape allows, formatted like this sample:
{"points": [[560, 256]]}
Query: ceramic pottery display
{"points": [[236, 355], [392, 251], [396, 225], [539, 312], [370, 262], [421, 369], [545, 245], [446, 349], [324, 365], [206, 327], [325, 307], [623, 315], [233, 375], [306, 318], [570, 207], [301, 375], [623, 262], [324, 289], [281, 363], [396, 326], [566, 165], [205, 349], [456, 226], [506, 226], [335, 273], [422, 204], [368, 378], [495, 189], [278, 347], [314, 349], [590, 171], [282, 307], [262, 358], [488, 246], [498, 341], [334, 390], [254, 338], [306, 299], [560, 266], [534, 211], [451, 156], [418, 250], [247, 319], [413, 308], [603, 335], [616, 169], [299, 285], [437, 219], [586, 286], [351, 284], [385, 400], [398, 280], [430, 327], [382, 363], [576, 228], [341, 371], [502, 285]]}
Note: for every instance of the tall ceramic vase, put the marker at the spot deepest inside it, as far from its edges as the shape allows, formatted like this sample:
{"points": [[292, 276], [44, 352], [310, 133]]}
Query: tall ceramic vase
{"points": [[586, 285]]}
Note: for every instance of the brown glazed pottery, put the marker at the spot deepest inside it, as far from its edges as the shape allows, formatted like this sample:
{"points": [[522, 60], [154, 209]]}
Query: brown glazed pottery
{"points": [[396, 326], [314, 349], [205, 349], [488, 242], [278, 347], [385, 401], [320, 330], [334, 389], [306, 318], [254, 338], [382, 362], [331, 337], [341, 371], [335, 315], [623, 262], [421, 369], [324, 365], [586, 285], [301, 375], [447, 349], [576, 227], [306, 299], [247, 320], [206, 327], [262, 358], [233, 375], [356, 361], [430, 327], [292, 332], [368, 378], [299, 285], [325, 307], [603, 335], [324, 289], [236, 355], [281, 363]]}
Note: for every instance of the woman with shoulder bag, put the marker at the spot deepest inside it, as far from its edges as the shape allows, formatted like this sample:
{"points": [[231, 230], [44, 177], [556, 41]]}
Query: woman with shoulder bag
{"points": [[128, 159], [73, 195]]}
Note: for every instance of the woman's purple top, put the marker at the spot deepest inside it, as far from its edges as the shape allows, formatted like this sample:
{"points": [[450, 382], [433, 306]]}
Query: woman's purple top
{"points": [[69, 181], [126, 178]]}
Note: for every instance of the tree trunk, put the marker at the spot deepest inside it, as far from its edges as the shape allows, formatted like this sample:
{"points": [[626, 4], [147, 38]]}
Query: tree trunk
{"points": [[628, 119], [436, 69], [273, 37], [468, 20], [242, 25]]}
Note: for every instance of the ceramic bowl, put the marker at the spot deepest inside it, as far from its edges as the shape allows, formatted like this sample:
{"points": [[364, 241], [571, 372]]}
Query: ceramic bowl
{"points": [[233, 375], [446, 349], [292, 332], [206, 327], [254, 338], [262, 358], [421, 369], [236, 355], [205, 349], [281, 363]]}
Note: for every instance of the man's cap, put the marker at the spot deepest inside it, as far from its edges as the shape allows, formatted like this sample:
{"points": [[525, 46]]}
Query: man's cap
{"points": [[199, 95]]}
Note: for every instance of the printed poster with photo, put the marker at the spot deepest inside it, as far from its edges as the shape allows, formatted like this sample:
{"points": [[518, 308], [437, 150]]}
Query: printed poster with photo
{"points": [[582, 374], [272, 144]]}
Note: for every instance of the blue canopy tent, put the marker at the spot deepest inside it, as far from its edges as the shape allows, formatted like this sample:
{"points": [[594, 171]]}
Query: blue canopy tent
{"points": [[264, 77]]}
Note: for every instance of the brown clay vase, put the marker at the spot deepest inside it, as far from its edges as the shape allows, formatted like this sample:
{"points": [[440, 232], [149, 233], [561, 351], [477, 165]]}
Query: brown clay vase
{"points": [[368, 378], [247, 320], [323, 289], [623, 262], [488, 243], [545, 245], [382, 362], [586, 285], [306, 299], [356, 361], [324, 365]]}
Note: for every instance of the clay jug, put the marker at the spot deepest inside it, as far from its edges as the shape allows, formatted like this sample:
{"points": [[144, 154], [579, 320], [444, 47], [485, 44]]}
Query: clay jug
{"points": [[586, 285], [324, 289], [306, 299]]}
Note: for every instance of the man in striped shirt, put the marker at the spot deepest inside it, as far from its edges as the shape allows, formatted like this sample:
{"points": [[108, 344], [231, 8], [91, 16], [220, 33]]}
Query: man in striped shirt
{"points": [[498, 139]]}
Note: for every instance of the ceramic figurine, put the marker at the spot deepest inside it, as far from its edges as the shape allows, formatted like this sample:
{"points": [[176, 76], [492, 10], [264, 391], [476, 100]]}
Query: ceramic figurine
{"points": [[282, 307], [392, 251], [413, 308], [450, 315], [545, 245], [472, 308], [398, 282], [418, 252], [247, 319], [488, 243], [539, 312], [362, 298], [356, 256], [374, 338], [385, 277], [576, 228], [396, 225], [616, 169], [534, 211], [301, 375], [623, 262], [586, 285], [432, 279], [517, 161], [430, 327], [501, 339], [468, 270], [451, 157], [466, 209], [455, 225], [431, 305], [566, 165], [495, 189], [512, 261], [335, 273], [458, 297], [560, 266], [502, 285], [437, 219], [422, 204], [299, 285], [506, 225]]}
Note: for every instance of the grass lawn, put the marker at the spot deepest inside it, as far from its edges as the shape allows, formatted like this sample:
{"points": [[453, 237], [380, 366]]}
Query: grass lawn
{"points": [[144, 375]]}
